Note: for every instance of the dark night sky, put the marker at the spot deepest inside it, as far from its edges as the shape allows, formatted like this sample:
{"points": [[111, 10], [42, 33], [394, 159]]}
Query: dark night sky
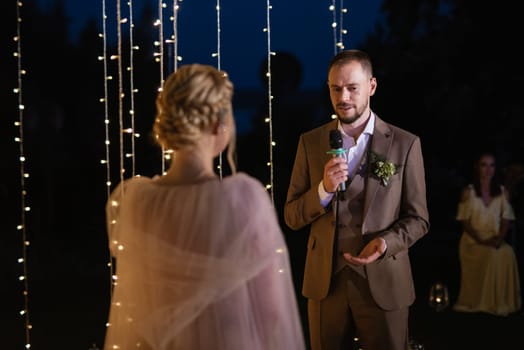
{"points": [[299, 27]]}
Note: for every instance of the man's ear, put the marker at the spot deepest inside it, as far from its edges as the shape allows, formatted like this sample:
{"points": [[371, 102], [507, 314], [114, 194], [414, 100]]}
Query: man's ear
{"points": [[372, 86]]}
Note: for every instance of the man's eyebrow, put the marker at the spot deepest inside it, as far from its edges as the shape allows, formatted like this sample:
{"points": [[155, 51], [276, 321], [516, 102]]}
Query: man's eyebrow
{"points": [[348, 84]]}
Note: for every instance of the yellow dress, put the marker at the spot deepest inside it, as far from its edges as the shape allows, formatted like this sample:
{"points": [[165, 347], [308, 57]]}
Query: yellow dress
{"points": [[489, 276]]}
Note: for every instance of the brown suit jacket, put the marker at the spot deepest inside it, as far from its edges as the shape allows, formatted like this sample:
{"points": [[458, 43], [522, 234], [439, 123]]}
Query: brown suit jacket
{"points": [[396, 212]]}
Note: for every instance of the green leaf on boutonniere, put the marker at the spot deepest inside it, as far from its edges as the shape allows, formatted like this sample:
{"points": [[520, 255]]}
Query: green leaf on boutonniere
{"points": [[381, 168]]}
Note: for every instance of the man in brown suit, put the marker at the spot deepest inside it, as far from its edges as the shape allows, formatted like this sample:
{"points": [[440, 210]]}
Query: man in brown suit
{"points": [[366, 209]]}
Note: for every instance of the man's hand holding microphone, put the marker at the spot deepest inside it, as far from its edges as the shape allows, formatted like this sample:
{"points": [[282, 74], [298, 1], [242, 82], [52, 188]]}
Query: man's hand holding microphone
{"points": [[336, 169]]}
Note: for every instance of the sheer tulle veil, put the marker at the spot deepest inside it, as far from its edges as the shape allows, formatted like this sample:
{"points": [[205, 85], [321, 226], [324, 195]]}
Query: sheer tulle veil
{"points": [[201, 266]]}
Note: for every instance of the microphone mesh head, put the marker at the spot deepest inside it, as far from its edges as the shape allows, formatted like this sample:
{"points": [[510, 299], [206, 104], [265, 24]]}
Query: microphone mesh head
{"points": [[335, 139]]}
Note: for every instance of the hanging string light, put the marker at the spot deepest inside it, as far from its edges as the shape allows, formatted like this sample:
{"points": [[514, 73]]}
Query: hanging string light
{"points": [[217, 55], [338, 30], [24, 208], [341, 30], [125, 127], [121, 94], [160, 56], [107, 143], [105, 99], [174, 36], [337, 25], [269, 119], [119, 58], [132, 90]]}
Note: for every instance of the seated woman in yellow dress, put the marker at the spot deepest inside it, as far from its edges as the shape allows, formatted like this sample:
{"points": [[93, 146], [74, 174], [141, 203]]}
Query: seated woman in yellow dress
{"points": [[489, 271]]}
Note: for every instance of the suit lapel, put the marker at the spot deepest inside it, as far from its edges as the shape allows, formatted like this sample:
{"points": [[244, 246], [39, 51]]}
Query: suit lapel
{"points": [[380, 144]]}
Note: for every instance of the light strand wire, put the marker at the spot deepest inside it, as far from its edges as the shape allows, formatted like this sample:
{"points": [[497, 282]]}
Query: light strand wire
{"points": [[270, 100], [161, 56], [337, 26], [341, 30], [120, 21], [105, 100], [120, 92], [24, 278], [132, 90], [174, 37], [160, 59], [333, 9], [218, 57]]}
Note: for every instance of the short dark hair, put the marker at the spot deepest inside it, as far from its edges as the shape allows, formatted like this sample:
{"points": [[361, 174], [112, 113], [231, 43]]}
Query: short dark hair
{"points": [[347, 56]]}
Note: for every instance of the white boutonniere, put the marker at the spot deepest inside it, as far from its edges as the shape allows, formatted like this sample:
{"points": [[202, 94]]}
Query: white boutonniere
{"points": [[381, 168]]}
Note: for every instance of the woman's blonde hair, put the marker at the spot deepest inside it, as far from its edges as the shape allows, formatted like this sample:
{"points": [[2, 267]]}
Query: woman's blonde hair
{"points": [[193, 99]]}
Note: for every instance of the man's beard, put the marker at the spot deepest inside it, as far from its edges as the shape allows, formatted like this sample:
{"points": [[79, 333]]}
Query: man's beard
{"points": [[349, 120]]}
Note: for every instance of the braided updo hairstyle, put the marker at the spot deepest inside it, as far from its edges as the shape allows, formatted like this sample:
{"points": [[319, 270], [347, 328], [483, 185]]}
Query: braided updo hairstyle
{"points": [[192, 101]]}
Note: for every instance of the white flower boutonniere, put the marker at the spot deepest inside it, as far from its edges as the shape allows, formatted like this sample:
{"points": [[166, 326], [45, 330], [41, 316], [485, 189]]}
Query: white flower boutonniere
{"points": [[381, 168]]}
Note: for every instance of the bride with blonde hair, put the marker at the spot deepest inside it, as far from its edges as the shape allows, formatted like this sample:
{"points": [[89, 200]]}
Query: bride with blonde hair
{"points": [[201, 261]]}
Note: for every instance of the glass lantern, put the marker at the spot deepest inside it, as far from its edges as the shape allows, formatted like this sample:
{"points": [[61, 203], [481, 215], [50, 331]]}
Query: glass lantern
{"points": [[438, 296]]}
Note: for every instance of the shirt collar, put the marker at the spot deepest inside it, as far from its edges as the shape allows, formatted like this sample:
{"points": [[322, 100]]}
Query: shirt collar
{"points": [[370, 126]]}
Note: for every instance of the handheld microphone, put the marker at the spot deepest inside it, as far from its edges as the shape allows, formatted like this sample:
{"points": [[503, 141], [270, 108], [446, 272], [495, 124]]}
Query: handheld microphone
{"points": [[337, 150]]}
